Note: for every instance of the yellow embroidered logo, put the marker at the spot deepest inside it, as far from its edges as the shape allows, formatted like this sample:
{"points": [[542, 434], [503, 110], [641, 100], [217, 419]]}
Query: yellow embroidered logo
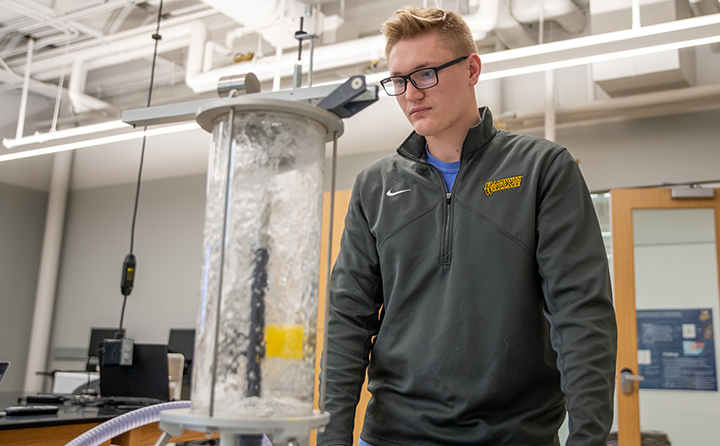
{"points": [[506, 183]]}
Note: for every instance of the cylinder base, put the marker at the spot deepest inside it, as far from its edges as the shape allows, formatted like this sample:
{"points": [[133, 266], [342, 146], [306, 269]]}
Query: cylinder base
{"points": [[280, 431]]}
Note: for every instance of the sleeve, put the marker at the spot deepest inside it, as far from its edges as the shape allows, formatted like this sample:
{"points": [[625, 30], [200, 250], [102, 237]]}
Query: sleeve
{"points": [[353, 321], [576, 284]]}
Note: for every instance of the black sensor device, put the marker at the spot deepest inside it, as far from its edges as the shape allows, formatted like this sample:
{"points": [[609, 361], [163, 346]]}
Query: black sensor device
{"points": [[128, 275]]}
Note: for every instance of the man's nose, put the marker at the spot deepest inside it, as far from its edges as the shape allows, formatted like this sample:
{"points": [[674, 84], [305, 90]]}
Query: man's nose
{"points": [[412, 92]]}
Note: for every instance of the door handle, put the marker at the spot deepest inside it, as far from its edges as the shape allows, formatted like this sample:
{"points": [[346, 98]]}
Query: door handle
{"points": [[628, 380]]}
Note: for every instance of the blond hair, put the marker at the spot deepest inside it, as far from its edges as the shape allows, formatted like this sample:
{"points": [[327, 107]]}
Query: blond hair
{"points": [[411, 22]]}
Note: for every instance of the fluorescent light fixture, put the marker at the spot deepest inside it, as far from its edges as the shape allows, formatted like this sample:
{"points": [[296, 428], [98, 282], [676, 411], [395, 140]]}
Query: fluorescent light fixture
{"points": [[602, 47], [100, 141], [596, 48], [61, 134]]}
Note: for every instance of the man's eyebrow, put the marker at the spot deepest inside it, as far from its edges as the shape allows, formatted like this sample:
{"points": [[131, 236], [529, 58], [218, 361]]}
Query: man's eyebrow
{"points": [[417, 67]]}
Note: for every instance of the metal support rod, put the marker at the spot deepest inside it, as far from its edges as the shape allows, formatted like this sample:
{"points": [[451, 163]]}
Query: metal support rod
{"points": [[223, 241], [310, 67], [58, 97], [636, 24], [25, 90], [278, 56], [302, 20], [541, 27], [164, 439], [550, 114], [323, 366]]}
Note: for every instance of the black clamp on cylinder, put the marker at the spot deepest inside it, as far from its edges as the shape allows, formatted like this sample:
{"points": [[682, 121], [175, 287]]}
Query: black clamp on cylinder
{"points": [[340, 101]]}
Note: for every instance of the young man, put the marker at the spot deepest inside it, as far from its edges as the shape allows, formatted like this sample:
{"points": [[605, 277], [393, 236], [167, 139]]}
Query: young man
{"points": [[472, 281]]}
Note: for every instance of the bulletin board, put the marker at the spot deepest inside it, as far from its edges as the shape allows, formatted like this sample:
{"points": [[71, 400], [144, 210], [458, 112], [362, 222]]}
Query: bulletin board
{"points": [[676, 349]]}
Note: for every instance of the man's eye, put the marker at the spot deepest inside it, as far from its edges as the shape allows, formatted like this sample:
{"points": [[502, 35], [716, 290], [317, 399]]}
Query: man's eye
{"points": [[398, 82], [426, 74]]}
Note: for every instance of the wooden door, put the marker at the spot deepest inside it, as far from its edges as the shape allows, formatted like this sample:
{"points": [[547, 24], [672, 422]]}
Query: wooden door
{"points": [[627, 206], [342, 200]]}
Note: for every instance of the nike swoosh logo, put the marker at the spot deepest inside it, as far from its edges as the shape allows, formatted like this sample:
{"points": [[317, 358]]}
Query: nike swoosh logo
{"points": [[390, 193]]}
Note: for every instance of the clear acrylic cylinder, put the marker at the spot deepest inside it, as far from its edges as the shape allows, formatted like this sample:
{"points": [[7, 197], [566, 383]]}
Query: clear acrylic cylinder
{"points": [[255, 341]]}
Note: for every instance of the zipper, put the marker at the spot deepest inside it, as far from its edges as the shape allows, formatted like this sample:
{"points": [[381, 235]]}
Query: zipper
{"points": [[446, 249], [446, 243]]}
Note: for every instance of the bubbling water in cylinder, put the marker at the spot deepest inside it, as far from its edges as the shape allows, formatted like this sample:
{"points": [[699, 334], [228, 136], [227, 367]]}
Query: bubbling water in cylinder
{"points": [[256, 331]]}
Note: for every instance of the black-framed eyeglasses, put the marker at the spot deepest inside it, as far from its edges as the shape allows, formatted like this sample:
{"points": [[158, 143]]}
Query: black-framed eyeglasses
{"points": [[422, 79]]}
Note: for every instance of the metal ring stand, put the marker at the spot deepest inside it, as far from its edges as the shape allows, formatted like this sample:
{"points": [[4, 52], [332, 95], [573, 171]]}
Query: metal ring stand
{"points": [[280, 431], [238, 430]]}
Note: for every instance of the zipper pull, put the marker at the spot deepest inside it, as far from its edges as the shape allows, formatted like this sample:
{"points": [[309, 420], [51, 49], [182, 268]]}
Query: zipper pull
{"points": [[447, 197]]}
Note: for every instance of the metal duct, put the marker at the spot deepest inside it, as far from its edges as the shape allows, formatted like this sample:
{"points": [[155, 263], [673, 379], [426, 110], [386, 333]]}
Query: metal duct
{"points": [[704, 7], [564, 12], [669, 69]]}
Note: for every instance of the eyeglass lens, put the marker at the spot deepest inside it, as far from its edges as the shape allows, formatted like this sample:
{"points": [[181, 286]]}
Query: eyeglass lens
{"points": [[421, 79]]}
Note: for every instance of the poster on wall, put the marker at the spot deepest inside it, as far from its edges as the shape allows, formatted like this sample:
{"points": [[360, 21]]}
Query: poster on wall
{"points": [[676, 349]]}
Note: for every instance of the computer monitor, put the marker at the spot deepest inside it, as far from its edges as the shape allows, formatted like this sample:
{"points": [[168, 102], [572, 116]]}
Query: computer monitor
{"points": [[4, 366], [147, 377], [182, 340]]}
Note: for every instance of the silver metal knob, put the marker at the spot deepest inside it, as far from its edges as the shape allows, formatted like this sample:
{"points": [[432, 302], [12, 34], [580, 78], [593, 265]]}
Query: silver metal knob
{"points": [[628, 380]]}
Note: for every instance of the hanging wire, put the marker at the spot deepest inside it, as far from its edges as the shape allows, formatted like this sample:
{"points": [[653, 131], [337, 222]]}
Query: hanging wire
{"points": [[156, 37]]}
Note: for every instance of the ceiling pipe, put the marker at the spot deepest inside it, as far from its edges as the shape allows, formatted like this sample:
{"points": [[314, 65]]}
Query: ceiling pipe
{"points": [[495, 16], [249, 11], [25, 90], [325, 58], [564, 12], [484, 19], [81, 102], [44, 17], [51, 60], [508, 30], [617, 109], [102, 56], [259, 27], [489, 15], [54, 17], [195, 55], [115, 52], [38, 15], [704, 7]]}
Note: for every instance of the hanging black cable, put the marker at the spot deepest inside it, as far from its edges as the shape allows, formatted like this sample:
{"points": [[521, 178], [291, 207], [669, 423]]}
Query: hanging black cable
{"points": [[129, 265]]}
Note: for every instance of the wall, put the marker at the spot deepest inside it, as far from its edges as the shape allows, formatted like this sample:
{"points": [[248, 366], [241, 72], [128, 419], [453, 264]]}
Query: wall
{"points": [[651, 151], [168, 246], [22, 222], [681, 148], [641, 152]]}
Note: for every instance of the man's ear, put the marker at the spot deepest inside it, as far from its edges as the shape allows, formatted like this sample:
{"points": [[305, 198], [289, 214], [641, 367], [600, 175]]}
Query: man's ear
{"points": [[474, 65]]}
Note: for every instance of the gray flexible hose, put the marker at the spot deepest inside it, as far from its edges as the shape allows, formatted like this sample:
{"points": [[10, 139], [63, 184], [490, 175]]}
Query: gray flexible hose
{"points": [[125, 422]]}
